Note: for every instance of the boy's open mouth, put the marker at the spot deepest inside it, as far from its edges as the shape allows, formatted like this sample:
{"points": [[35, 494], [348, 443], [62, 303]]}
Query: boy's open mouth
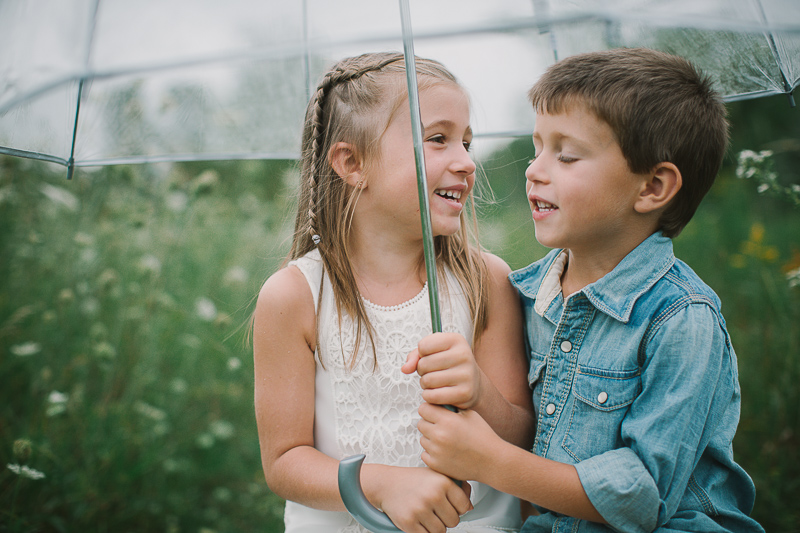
{"points": [[544, 207]]}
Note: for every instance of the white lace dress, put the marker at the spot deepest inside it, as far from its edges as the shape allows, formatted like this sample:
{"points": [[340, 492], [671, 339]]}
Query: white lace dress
{"points": [[374, 412]]}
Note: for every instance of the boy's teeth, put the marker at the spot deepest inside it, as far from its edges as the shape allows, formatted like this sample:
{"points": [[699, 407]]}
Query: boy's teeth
{"points": [[544, 206]]}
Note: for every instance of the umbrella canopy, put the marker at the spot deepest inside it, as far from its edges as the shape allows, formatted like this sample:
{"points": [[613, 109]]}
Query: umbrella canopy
{"points": [[91, 82]]}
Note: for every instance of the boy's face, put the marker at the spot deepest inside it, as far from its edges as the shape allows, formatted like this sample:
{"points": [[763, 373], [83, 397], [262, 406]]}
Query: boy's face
{"points": [[580, 188]]}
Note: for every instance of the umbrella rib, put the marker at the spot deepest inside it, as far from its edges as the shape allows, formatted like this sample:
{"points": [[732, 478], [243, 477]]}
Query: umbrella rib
{"points": [[33, 155], [770, 36]]}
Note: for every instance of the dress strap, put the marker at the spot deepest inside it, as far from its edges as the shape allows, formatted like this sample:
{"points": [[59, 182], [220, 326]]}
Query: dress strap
{"points": [[312, 268]]}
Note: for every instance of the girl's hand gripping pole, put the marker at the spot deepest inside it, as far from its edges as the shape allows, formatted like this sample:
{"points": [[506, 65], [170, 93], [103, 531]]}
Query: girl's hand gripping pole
{"points": [[355, 501]]}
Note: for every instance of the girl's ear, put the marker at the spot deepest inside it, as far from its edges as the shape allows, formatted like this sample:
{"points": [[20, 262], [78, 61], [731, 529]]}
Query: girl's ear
{"points": [[658, 188], [346, 162]]}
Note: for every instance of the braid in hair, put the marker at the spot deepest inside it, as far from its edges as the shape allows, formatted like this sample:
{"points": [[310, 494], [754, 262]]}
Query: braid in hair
{"points": [[345, 71]]}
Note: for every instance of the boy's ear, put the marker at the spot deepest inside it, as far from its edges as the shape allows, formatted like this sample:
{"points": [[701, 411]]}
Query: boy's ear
{"points": [[346, 162], [659, 188]]}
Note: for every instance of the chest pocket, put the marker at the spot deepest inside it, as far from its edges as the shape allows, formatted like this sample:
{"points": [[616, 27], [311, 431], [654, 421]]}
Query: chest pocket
{"points": [[600, 403]]}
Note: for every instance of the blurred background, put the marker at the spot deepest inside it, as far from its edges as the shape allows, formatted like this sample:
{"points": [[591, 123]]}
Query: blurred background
{"points": [[126, 375]]}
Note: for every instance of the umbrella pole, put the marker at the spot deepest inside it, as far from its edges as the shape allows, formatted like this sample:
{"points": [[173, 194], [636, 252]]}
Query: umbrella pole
{"points": [[419, 158], [349, 478]]}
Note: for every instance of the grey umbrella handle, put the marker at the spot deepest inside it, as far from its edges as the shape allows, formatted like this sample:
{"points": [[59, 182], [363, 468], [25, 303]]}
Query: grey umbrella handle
{"points": [[355, 501]]}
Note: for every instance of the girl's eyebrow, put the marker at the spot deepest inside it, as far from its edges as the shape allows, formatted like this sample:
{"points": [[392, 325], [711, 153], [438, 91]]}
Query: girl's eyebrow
{"points": [[446, 124]]}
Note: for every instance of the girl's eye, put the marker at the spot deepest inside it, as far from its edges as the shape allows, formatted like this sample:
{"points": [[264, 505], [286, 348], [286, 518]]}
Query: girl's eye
{"points": [[437, 139], [467, 145]]}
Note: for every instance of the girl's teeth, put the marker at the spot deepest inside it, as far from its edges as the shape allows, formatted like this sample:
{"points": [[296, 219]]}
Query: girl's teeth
{"points": [[455, 195]]}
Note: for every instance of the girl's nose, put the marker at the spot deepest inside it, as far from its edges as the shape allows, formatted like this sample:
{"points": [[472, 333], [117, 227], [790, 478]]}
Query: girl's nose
{"points": [[463, 162]]}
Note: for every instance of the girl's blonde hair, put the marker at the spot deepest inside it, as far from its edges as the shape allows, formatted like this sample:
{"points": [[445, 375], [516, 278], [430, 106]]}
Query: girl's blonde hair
{"points": [[354, 103]]}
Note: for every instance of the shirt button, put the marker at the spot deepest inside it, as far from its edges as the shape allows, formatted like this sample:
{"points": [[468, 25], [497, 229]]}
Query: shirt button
{"points": [[602, 397], [550, 409], [566, 346]]}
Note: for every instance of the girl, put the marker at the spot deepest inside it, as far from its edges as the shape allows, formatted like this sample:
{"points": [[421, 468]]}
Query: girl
{"points": [[333, 328]]}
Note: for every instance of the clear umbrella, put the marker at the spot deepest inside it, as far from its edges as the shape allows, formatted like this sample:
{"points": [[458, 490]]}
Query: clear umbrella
{"points": [[89, 83], [98, 82]]}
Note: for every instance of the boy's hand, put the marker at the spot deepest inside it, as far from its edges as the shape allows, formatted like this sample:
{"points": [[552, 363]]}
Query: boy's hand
{"points": [[419, 500], [448, 372], [459, 445]]}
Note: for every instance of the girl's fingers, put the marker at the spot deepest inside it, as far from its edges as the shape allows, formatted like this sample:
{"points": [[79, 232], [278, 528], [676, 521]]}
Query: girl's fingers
{"points": [[411, 363]]}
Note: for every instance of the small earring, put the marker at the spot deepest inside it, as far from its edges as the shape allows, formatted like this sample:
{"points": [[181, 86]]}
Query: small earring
{"points": [[360, 184]]}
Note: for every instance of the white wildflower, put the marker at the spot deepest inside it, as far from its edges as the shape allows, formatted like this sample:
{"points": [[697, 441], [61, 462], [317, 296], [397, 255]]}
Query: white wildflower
{"points": [[57, 403], [60, 196], [236, 275], [793, 276], [90, 306], [178, 386], [84, 239], [205, 309], [177, 201], [222, 494], [88, 255], [26, 349], [205, 440], [25, 471], [234, 363], [191, 341], [763, 188], [222, 429], [56, 397], [147, 410], [150, 264]]}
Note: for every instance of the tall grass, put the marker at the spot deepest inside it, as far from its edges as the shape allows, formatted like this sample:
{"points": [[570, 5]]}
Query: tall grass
{"points": [[127, 384]]}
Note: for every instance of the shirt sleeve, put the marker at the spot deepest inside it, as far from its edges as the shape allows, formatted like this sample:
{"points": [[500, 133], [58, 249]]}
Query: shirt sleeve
{"points": [[687, 383]]}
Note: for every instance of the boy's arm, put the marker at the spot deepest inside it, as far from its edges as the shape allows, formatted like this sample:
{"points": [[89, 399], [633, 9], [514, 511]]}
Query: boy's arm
{"points": [[463, 446], [689, 385], [688, 381]]}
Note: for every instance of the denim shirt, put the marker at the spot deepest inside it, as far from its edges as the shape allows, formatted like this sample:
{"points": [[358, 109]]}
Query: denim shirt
{"points": [[635, 383]]}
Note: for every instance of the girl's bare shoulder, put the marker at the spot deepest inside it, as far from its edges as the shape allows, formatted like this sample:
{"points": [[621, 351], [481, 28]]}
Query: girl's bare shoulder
{"points": [[285, 300]]}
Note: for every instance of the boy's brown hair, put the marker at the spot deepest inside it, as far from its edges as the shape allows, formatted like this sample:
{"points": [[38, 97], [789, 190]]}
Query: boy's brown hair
{"points": [[660, 108]]}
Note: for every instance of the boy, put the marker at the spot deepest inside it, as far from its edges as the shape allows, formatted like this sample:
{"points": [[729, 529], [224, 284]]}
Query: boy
{"points": [[633, 374]]}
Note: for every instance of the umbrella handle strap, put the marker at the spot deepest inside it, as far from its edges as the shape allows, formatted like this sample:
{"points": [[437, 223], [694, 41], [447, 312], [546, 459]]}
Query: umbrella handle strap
{"points": [[356, 502]]}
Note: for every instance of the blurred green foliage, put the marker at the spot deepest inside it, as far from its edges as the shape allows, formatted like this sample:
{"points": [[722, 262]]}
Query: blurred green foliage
{"points": [[126, 402]]}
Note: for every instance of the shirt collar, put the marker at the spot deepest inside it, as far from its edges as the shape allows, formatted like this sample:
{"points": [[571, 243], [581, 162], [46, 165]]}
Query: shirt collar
{"points": [[615, 293]]}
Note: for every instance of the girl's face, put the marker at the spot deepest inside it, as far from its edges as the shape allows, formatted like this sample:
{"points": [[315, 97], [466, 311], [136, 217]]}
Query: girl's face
{"points": [[392, 181]]}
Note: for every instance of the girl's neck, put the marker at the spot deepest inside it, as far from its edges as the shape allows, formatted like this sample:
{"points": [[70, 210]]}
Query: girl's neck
{"points": [[387, 272]]}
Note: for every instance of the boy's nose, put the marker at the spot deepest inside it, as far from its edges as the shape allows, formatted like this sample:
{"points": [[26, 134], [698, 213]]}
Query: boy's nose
{"points": [[532, 172]]}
